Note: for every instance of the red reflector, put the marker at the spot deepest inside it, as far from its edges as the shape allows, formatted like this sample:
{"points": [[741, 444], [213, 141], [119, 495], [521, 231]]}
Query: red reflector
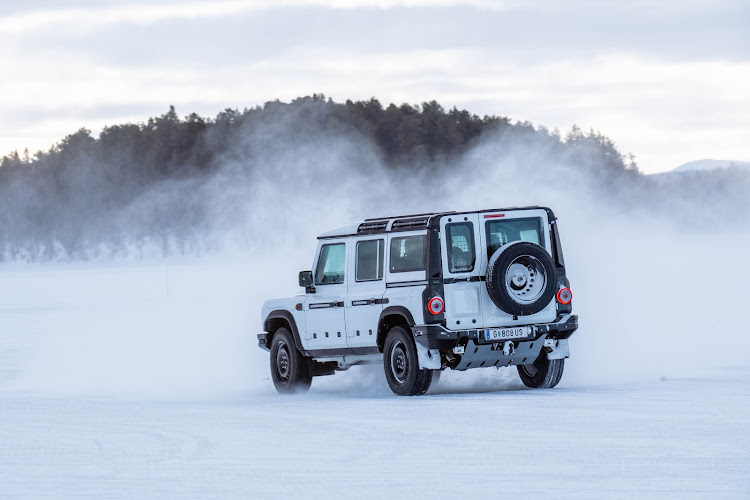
{"points": [[435, 305], [564, 296], [493, 216]]}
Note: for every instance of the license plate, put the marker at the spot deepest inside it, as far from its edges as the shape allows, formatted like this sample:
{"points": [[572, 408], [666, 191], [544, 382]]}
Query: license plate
{"points": [[516, 332]]}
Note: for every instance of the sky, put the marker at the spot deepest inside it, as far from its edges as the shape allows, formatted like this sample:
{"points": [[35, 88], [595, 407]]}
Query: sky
{"points": [[666, 80]]}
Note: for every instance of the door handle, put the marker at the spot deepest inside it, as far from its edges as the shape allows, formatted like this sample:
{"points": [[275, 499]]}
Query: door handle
{"points": [[325, 305], [367, 302]]}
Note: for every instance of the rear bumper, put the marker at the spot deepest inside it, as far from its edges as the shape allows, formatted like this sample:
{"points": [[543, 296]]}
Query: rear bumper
{"points": [[439, 337]]}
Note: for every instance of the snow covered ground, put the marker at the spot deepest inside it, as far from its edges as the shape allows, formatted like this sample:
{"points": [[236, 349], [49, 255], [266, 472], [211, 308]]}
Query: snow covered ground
{"points": [[678, 437], [145, 380]]}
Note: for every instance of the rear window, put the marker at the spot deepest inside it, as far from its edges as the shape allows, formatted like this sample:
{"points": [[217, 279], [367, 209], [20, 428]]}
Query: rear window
{"points": [[502, 232], [460, 247], [407, 254], [370, 260]]}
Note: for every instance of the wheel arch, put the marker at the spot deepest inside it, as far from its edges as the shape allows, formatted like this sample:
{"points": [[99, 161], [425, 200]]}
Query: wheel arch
{"points": [[281, 318], [390, 317]]}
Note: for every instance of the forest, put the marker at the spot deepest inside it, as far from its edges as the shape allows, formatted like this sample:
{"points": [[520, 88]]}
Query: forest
{"points": [[178, 184]]}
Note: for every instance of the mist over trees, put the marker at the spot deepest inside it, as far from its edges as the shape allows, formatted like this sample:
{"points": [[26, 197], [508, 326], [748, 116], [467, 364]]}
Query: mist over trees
{"points": [[167, 184]]}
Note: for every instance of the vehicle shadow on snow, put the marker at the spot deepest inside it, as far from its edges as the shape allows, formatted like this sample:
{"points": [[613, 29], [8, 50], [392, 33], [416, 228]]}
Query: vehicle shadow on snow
{"points": [[369, 381], [479, 380]]}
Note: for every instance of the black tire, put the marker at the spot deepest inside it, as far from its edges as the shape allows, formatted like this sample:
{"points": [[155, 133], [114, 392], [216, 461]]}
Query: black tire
{"points": [[543, 373], [402, 366], [288, 366], [514, 271]]}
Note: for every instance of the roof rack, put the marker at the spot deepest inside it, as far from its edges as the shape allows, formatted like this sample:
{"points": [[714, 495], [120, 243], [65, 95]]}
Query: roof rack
{"points": [[411, 223], [430, 214], [368, 227]]}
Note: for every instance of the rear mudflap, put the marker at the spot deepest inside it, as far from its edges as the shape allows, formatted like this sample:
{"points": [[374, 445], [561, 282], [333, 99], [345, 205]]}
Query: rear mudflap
{"points": [[429, 359]]}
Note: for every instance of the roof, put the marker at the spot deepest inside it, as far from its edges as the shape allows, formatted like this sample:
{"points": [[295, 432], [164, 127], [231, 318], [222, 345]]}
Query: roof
{"points": [[408, 222], [341, 231]]}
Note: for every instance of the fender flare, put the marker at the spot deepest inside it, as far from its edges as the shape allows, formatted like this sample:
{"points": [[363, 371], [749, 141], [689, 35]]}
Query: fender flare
{"points": [[392, 311], [289, 318], [396, 310]]}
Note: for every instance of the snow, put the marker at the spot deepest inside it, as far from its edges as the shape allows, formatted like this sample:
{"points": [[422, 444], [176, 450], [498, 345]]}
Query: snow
{"points": [[145, 380], [676, 438]]}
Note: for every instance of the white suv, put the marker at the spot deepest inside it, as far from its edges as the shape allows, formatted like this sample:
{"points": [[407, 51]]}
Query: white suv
{"points": [[426, 292]]}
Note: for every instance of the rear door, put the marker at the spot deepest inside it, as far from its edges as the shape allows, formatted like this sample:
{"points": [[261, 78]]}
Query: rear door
{"points": [[405, 271], [501, 228], [364, 301], [461, 257]]}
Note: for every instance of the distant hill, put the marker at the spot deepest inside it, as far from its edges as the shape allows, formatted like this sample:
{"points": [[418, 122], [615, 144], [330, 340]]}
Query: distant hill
{"points": [[696, 165]]}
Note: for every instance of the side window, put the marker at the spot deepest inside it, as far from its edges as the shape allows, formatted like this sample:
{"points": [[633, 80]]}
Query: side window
{"points": [[330, 269], [461, 255], [407, 254], [500, 233], [370, 260]]}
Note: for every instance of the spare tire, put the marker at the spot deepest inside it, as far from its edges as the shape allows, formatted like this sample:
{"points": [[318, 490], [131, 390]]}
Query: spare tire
{"points": [[521, 278]]}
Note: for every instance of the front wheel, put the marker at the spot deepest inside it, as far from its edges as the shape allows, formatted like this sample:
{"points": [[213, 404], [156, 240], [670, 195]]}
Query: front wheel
{"points": [[288, 368], [543, 373], [402, 366]]}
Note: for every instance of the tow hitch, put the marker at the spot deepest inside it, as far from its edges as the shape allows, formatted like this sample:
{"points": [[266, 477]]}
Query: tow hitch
{"points": [[509, 349]]}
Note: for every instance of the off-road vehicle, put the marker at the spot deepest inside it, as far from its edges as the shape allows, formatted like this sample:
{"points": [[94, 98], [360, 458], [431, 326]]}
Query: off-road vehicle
{"points": [[422, 293]]}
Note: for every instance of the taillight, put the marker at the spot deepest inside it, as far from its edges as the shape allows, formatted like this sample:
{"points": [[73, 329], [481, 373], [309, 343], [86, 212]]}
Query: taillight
{"points": [[436, 305], [564, 296]]}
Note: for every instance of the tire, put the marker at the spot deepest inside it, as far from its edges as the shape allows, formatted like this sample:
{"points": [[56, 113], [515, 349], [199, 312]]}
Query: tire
{"points": [[402, 366], [543, 373], [521, 278], [288, 366]]}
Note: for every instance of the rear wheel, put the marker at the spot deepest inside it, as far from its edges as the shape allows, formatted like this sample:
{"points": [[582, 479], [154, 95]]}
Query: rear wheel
{"points": [[543, 373], [402, 366], [288, 367]]}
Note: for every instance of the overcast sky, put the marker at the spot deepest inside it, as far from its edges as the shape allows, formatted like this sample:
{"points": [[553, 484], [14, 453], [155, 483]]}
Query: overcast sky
{"points": [[668, 81]]}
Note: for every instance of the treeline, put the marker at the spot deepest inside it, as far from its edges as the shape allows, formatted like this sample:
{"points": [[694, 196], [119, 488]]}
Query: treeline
{"points": [[154, 184], [169, 145]]}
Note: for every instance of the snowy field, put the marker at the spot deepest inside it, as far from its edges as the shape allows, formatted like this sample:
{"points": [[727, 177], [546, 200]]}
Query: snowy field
{"points": [[145, 380]]}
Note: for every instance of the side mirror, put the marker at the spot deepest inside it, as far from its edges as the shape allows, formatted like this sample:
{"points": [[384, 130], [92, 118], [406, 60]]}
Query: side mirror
{"points": [[306, 281]]}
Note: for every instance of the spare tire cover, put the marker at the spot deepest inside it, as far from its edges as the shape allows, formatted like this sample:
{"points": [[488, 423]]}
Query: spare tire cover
{"points": [[521, 278]]}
